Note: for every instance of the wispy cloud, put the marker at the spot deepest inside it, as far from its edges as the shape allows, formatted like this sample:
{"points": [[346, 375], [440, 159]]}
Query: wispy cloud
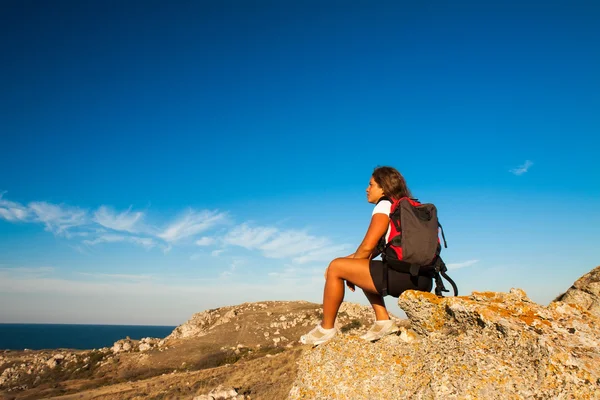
{"points": [[238, 262], [29, 272], [293, 273], [118, 277], [205, 241], [106, 225], [81, 299], [249, 238], [114, 238], [190, 224], [58, 218], [296, 245], [125, 221], [11, 211], [289, 272], [323, 254], [520, 170], [461, 264]]}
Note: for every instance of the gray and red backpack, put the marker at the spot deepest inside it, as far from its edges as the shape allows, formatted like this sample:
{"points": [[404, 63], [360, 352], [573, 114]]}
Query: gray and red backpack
{"points": [[413, 245]]}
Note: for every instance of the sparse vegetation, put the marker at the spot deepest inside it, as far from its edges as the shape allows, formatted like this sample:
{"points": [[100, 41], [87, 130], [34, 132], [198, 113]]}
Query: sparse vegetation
{"points": [[259, 365], [215, 360]]}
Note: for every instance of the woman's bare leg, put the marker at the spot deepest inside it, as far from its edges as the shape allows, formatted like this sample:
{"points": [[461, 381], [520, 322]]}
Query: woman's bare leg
{"points": [[350, 269], [378, 305]]}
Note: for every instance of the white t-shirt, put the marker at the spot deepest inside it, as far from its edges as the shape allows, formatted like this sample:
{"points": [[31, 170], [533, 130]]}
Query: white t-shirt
{"points": [[384, 207]]}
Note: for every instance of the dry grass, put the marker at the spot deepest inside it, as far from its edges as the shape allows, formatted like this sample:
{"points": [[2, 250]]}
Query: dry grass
{"points": [[236, 354]]}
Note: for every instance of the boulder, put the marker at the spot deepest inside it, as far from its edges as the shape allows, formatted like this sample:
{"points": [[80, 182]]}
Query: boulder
{"points": [[585, 292], [486, 345]]}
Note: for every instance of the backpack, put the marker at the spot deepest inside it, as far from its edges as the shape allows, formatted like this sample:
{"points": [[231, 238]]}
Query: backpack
{"points": [[413, 245]]}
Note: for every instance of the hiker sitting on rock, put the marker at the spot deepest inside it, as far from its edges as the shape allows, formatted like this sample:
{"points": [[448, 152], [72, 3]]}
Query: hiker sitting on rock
{"points": [[359, 269]]}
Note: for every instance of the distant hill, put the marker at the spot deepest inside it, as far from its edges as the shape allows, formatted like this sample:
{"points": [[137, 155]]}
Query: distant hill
{"points": [[251, 347]]}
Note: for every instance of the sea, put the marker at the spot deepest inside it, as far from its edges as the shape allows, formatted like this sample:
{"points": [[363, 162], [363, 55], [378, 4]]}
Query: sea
{"points": [[67, 336]]}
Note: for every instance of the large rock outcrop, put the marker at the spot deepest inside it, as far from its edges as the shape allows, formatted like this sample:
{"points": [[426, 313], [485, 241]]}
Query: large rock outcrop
{"points": [[483, 346], [585, 292]]}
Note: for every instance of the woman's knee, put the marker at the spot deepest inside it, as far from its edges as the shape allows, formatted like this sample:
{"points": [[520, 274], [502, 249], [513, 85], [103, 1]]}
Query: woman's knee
{"points": [[335, 269]]}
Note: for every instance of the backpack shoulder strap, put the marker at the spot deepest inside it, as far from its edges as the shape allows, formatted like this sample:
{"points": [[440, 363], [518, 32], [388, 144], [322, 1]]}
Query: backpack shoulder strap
{"points": [[382, 198]]}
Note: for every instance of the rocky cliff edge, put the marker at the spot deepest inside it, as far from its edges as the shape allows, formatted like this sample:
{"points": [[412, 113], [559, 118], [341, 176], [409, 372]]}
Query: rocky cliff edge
{"points": [[484, 346]]}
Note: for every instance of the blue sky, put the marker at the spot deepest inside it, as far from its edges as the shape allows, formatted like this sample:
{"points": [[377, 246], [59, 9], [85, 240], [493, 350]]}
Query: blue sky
{"points": [[161, 158]]}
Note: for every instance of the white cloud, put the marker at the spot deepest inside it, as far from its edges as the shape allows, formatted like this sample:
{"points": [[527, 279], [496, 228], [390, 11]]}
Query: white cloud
{"points": [[124, 221], [293, 244], [462, 264], [300, 275], [106, 225], [327, 253], [205, 241], [191, 224], [166, 248], [159, 299], [520, 170], [118, 277], [105, 239], [145, 242], [148, 243], [58, 219], [11, 211], [289, 272], [29, 272], [249, 238], [232, 268]]}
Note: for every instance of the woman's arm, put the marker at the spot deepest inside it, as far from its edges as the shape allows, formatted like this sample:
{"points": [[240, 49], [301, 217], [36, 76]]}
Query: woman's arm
{"points": [[368, 247], [377, 228]]}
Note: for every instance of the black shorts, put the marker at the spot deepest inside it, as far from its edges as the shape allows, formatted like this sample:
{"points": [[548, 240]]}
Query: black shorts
{"points": [[398, 282]]}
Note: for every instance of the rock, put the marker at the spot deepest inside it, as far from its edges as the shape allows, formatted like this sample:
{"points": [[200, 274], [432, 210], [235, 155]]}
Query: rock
{"points": [[407, 335], [486, 345], [117, 347], [220, 393], [7, 375], [123, 345], [585, 292], [201, 323], [144, 347]]}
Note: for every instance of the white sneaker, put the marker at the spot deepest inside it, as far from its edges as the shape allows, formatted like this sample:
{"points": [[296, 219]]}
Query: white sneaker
{"points": [[318, 336], [380, 329]]}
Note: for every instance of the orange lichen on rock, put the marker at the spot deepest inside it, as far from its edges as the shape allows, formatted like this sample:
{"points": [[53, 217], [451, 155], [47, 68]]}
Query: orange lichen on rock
{"points": [[486, 345]]}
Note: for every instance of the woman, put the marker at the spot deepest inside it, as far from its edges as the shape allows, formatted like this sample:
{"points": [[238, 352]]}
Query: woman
{"points": [[359, 269]]}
